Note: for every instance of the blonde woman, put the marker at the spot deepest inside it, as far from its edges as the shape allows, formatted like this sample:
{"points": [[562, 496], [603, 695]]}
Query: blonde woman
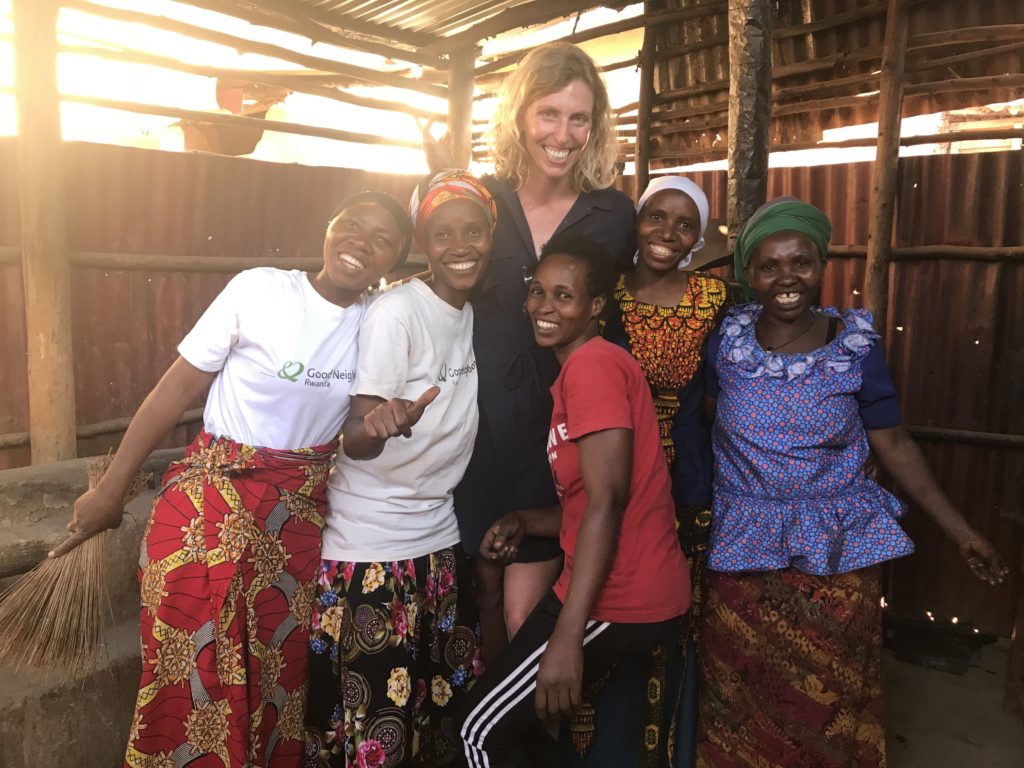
{"points": [[554, 146]]}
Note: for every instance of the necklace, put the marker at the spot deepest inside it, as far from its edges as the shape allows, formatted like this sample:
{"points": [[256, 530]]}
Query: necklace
{"points": [[787, 342]]}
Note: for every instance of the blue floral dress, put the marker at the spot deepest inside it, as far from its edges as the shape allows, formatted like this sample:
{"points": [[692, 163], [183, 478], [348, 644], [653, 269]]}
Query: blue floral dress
{"points": [[790, 447]]}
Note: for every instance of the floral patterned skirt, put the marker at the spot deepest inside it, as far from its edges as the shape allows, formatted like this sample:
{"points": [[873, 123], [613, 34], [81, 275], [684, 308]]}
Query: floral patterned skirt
{"points": [[395, 647], [228, 577], [791, 670]]}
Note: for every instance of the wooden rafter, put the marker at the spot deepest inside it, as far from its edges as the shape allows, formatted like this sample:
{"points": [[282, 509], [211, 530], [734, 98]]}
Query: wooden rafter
{"points": [[525, 15], [299, 10], [253, 46], [268, 13], [293, 82], [215, 118], [676, 157]]}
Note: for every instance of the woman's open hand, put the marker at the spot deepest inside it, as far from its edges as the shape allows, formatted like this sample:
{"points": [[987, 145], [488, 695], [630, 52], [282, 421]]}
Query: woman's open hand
{"points": [[982, 558]]}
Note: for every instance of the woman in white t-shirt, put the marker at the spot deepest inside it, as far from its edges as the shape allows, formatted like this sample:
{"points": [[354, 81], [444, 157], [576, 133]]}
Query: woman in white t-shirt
{"points": [[395, 630], [228, 566]]}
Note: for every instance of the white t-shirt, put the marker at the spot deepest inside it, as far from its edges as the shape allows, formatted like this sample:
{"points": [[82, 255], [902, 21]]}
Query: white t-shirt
{"points": [[286, 359], [399, 505]]}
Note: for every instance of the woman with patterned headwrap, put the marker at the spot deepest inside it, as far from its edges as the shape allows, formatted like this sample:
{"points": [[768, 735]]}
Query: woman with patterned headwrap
{"points": [[790, 643], [395, 633]]}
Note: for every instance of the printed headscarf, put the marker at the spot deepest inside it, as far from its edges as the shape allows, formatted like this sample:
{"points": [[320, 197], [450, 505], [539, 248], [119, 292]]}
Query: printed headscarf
{"points": [[392, 206], [692, 191], [436, 189], [783, 214]]}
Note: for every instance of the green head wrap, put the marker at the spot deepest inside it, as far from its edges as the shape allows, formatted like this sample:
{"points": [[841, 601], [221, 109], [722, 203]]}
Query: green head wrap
{"points": [[782, 214]]}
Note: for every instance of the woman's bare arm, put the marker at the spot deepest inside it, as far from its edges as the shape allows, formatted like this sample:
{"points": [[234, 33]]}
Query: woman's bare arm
{"points": [[102, 507]]}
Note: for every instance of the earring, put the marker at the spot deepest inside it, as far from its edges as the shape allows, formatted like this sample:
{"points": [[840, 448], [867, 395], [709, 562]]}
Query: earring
{"points": [[636, 257]]}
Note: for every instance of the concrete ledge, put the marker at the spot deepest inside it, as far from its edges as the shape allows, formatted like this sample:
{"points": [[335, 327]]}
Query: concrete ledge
{"points": [[46, 720], [57, 717]]}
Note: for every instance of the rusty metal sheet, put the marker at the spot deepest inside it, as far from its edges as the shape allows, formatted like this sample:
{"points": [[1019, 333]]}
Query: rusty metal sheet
{"points": [[126, 324], [709, 64]]}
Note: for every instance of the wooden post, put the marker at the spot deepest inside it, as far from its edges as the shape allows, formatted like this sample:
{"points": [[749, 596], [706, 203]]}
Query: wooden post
{"points": [[44, 256], [642, 154], [462, 66], [807, 13], [750, 89], [884, 174]]}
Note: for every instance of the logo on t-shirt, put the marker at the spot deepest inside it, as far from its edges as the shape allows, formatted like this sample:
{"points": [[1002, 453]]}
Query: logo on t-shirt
{"points": [[314, 377], [557, 434], [291, 371], [447, 372]]}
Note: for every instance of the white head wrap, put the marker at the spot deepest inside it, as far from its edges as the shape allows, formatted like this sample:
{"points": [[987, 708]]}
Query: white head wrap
{"points": [[692, 191]]}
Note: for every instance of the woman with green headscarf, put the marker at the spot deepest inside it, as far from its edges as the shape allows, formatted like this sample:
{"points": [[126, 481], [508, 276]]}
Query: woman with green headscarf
{"points": [[790, 647]]}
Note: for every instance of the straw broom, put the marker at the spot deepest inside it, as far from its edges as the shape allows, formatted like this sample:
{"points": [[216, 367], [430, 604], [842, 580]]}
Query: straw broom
{"points": [[54, 615]]}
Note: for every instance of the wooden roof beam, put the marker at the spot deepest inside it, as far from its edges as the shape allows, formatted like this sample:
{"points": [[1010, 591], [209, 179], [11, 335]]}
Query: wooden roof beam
{"points": [[293, 82], [525, 15], [614, 28], [251, 46], [281, 16], [298, 10], [215, 118]]}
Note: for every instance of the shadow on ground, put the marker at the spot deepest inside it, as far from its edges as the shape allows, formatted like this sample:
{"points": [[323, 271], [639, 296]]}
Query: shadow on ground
{"points": [[939, 720]]}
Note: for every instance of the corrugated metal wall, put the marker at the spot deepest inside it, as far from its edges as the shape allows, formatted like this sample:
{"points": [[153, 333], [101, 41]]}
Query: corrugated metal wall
{"points": [[126, 324], [842, 45]]}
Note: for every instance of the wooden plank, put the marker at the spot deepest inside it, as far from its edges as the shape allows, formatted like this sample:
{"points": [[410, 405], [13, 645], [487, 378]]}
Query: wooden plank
{"points": [[149, 262], [884, 172], [294, 82], [750, 85], [832, 21], [642, 160], [252, 46], [299, 10], [460, 105], [988, 34], [44, 260], [525, 15], [980, 134], [308, 22], [968, 437], [96, 429], [244, 122]]}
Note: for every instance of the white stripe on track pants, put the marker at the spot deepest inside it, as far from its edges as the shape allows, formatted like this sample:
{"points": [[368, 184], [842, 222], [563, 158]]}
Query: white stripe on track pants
{"points": [[498, 715]]}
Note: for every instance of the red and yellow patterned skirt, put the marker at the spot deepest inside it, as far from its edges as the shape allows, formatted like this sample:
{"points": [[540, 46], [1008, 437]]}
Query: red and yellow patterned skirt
{"points": [[228, 577], [791, 671]]}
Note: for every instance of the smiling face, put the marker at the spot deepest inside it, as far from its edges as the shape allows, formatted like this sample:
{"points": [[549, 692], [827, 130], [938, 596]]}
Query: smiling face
{"points": [[667, 228], [561, 310], [362, 244], [555, 129], [785, 274], [457, 242]]}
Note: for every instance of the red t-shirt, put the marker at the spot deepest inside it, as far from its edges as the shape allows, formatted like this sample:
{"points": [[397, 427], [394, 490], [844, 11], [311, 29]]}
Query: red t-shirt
{"points": [[602, 387]]}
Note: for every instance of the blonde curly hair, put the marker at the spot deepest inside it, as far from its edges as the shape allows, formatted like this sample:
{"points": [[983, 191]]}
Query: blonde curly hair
{"points": [[543, 71]]}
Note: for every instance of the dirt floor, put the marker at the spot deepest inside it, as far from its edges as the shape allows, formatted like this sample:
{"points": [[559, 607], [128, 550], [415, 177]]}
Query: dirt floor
{"points": [[940, 720]]}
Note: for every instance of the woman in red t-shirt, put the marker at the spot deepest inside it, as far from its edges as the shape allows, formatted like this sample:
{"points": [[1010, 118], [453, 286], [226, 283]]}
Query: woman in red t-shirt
{"points": [[625, 582]]}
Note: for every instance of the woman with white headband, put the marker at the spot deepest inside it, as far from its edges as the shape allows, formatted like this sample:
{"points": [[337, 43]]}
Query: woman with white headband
{"points": [[662, 314]]}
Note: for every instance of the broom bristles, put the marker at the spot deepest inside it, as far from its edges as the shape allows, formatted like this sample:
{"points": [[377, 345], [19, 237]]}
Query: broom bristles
{"points": [[54, 615]]}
